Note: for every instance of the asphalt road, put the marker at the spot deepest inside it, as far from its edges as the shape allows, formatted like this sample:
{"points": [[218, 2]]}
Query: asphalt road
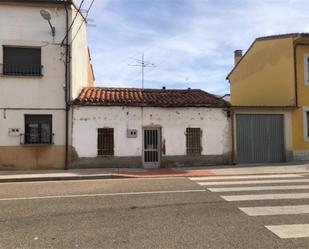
{"points": [[139, 213]]}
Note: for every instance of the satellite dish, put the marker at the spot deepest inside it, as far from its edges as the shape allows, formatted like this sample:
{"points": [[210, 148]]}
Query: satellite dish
{"points": [[45, 14]]}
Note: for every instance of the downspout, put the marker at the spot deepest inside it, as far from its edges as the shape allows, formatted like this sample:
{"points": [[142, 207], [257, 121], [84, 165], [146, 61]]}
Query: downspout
{"points": [[233, 138], [67, 107], [295, 74], [295, 67]]}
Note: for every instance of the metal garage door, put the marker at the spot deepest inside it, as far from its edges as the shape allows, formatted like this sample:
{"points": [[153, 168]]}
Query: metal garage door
{"points": [[260, 138]]}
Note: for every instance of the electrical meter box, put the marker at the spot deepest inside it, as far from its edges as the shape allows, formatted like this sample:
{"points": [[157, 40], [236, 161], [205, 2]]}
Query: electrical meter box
{"points": [[14, 132], [131, 133]]}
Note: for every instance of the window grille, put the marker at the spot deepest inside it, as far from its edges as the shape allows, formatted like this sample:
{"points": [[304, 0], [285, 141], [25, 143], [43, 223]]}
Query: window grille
{"points": [[38, 129], [105, 141], [22, 61], [193, 141]]}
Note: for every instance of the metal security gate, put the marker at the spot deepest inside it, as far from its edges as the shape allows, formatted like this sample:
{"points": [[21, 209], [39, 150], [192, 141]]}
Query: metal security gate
{"points": [[259, 138], [151, 147]]}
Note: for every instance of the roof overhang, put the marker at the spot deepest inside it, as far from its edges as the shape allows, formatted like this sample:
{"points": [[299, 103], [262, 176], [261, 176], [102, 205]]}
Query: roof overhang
{"points": [[37, 3], [264, 107], [294, 36]]}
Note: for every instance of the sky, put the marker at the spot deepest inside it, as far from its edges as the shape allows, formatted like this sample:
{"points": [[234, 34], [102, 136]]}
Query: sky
{"points": [[190, 42]]}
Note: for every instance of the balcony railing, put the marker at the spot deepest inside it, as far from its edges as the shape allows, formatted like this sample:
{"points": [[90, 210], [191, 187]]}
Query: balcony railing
{"points": [[22, 70], [33, 139]]}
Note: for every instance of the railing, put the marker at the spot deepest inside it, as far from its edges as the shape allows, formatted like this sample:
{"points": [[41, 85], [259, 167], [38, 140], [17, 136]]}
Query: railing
{"points": [[33, 139], [23, 70]]}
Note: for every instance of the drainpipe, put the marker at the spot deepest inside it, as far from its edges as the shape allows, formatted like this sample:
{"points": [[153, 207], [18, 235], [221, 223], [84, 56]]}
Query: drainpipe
{"points": [[295, 74], [296, 43], [233, 138], [67, 106]]}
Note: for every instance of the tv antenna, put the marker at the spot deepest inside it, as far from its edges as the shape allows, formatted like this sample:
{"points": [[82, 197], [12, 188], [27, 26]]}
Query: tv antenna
{"points": [[142, 63]]}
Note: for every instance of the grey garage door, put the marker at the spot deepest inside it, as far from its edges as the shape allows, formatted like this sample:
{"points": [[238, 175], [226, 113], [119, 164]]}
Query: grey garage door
{"points": [[260, 138]]}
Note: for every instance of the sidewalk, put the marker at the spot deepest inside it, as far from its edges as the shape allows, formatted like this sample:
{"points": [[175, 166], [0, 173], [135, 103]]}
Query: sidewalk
{"points": [[87, 174]]}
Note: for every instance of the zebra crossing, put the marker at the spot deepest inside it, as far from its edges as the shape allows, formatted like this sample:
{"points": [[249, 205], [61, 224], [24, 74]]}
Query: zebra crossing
{"points": [[247, 188]]}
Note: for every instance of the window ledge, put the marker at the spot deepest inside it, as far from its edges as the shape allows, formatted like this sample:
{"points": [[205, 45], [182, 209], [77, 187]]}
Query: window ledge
{"points": [[21, 76], [36, 145]]}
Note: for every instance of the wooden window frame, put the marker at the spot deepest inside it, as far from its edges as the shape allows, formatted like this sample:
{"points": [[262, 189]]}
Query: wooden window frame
{"points": [[105, 145], [39, 120]]}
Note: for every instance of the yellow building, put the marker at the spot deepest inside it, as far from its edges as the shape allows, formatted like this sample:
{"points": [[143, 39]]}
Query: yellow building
{"points": [[270, 98]]}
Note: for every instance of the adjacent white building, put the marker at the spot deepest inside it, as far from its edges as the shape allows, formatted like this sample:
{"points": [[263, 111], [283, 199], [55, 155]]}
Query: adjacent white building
{"points": [[41, 71], [154, 128]]}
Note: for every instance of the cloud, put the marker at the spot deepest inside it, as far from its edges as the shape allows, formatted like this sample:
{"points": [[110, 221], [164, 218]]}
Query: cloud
{"points": [[190, 41]]}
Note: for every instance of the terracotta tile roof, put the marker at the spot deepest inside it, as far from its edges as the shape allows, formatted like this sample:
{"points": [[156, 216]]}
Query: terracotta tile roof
{"points": [[148, 97]]}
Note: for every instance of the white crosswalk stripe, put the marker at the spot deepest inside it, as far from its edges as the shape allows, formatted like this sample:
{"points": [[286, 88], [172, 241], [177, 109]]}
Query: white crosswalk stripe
{"points": [[208, 178], [275, 210], [290, 231], [252, 182], [268, 183], [266, 197], [259, 188]]}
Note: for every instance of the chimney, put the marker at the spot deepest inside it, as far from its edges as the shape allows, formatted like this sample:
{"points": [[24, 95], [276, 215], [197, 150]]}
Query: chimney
{"points": [[237, 56]]}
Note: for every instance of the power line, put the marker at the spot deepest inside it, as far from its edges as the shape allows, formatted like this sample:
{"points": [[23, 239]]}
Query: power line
{"points": [[76, 14], [80, 26], [142, 63]]}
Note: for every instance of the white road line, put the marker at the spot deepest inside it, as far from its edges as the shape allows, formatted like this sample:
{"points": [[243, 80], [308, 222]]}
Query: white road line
{"points": [[98, 195], [251, 182], [266, 197], [258, 188], [290, 231], [275, 210], [206, 178]]}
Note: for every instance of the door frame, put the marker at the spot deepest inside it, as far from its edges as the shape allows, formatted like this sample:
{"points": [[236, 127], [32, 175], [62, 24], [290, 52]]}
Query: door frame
{"points": [[152, 165]]}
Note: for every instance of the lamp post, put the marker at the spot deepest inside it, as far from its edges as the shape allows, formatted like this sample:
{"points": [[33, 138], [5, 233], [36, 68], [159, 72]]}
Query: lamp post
{"points": [[47, 16]]}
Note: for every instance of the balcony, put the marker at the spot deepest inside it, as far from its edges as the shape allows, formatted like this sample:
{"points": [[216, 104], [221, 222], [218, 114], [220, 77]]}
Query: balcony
{"points": [[22, 70]]}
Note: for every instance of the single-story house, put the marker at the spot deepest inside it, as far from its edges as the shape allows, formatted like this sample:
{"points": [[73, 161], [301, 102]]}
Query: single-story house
{"points": [[150, 128]]}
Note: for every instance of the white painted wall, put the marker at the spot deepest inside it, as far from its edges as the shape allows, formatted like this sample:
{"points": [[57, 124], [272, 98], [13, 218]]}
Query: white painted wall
{"points": [[16, 119], [174, 121], [79, 54], [24, 26]]}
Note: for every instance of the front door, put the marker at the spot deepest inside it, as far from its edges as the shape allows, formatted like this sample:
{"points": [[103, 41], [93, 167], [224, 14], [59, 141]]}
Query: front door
{"points": [[151, 147]]}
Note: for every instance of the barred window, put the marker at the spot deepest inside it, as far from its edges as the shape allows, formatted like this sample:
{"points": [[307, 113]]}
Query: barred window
{"points": [[38, 129], [193, 141], [22, 61], [105, 142]]}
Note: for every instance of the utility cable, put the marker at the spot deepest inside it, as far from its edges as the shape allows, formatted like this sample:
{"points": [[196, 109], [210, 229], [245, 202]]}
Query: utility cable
{"points": [[80, 26], [76, 14]]}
